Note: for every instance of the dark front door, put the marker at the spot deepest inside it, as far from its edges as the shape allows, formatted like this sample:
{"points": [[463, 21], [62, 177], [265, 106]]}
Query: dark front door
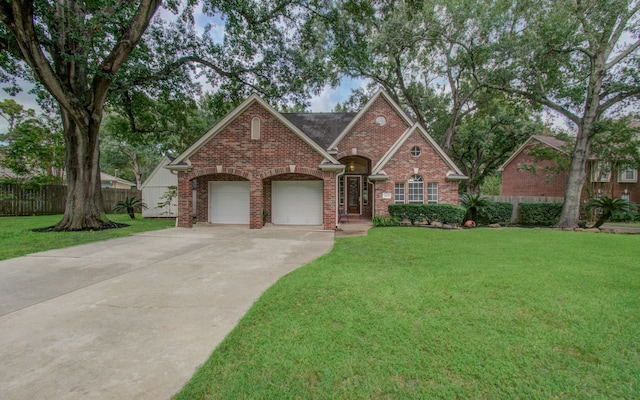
{"points": [[353, 194]]}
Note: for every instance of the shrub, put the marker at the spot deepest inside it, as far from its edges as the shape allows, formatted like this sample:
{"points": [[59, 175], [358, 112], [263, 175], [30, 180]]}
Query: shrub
{"points": [[130, 205], [384, 221], [540, 214], [607, 207], [445, 213], [474, 205], [497, 213]]}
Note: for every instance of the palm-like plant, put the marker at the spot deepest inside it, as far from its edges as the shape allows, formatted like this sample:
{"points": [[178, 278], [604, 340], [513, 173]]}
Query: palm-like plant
{"points": [[130, 204], [474, 203], [607, 206]]}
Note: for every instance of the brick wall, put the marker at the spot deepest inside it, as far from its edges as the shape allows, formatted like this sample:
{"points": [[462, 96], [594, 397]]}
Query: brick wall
{"points": [[518, 182], [233, 155], [370, 139], [401, 167]]}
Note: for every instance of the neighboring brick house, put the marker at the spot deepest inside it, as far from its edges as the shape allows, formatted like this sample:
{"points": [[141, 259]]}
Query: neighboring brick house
{"points": [[519, 181], [311, 168]]}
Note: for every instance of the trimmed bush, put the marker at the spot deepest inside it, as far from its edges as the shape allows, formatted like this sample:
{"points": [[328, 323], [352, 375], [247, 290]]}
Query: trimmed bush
{"points": [[445, 213], [497, 213], [540, 214], [384, 221]]}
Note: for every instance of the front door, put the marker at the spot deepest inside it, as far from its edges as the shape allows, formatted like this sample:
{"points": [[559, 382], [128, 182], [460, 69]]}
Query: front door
{"points": [[353, 194]]}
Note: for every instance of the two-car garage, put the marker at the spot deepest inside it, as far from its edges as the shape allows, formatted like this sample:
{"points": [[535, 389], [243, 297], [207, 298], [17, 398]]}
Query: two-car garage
{"points": [[292, 202]]}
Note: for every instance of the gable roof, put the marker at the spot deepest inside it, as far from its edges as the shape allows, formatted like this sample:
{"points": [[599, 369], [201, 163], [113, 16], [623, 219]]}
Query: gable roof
{"points": [[166, 160], [110, 178], [455, 172], [380, 93], [550, 141], [182, 160], [322, 128]]}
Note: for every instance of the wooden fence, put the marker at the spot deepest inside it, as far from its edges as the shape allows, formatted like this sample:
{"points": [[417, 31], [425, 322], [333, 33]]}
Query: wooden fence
{"points": [[515, 200], [49, 199]]}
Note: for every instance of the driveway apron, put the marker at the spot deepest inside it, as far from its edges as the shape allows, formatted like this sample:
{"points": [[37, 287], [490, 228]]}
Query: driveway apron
{"points": [[132, 318]]}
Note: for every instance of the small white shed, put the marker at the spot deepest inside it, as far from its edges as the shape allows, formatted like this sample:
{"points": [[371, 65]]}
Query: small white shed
{"points": [[155, 187]]}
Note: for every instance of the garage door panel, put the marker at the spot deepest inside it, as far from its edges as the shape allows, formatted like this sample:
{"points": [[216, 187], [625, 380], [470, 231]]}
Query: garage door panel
{"points": [[229, 202], [297, 202]]}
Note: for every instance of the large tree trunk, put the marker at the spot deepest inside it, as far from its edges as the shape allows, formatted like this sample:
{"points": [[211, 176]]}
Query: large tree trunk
{"points": [[570, 215], [84, 208]]}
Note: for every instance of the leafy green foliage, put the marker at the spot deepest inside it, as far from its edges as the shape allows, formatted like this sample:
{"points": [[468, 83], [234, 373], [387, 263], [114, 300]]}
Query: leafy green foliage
{"points": [[130, 205], [474, 205], [539, 214], [33, 147], [167, 198], [492, 185], [605, 207], [496, 213], [579, 59], [445, 213], [487, 137], [384, 221]]}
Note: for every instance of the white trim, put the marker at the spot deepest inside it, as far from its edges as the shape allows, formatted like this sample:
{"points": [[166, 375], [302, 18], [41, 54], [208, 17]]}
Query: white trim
{"points": [[528, 142], [396, 146], [165, 161], [385, 95], [217, 128], [622, 179]]}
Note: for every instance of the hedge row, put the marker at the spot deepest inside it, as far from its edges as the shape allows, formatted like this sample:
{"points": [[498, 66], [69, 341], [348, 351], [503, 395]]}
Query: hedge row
{"points": [[496, 213], [540, 214], [445, 213]]}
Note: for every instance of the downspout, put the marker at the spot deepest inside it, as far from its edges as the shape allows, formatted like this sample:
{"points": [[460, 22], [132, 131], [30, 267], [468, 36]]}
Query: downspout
{"points": [[338, 175], [372, 198]]}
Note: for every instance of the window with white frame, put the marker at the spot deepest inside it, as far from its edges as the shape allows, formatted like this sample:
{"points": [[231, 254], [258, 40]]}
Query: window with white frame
{"points": [[600, 172], [625, 196], [432, 193], [399, 193], [416, 189], [629, 175]]}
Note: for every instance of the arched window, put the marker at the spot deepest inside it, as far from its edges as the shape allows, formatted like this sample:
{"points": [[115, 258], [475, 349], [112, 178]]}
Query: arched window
{"points": [[416, 189], [255, 128]]}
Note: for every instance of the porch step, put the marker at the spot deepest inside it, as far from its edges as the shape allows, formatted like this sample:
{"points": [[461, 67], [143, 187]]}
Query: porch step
{"points": [[354, 219]]}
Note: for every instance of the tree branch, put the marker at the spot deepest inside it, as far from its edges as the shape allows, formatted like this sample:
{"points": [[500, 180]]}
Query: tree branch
{"points": [[125, 45], [617, 98], [622, 55]]}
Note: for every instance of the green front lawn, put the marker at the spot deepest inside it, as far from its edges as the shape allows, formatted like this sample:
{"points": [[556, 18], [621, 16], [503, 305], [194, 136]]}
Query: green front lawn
{"points": [[17, 239], [408, 313]]}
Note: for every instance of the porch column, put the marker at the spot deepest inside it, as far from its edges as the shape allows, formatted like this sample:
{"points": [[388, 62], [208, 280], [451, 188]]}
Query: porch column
{"points": [[330, 201], [185, 200], [256, 204]]}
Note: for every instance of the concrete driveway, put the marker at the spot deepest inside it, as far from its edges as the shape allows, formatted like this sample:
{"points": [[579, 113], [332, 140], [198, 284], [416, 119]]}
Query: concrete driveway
{"points": [[133, 318]]}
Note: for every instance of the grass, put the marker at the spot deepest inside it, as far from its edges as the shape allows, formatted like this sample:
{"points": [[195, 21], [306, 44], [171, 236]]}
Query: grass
{"points": [[408, 313], [17, 239]]}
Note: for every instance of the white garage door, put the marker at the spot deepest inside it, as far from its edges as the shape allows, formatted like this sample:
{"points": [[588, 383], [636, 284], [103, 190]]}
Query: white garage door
{"points": [[297, 202], [229, 202]]}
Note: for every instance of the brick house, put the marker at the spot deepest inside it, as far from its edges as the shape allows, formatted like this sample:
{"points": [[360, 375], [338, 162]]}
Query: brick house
{"points": [[518, 181], [259, 165]]}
